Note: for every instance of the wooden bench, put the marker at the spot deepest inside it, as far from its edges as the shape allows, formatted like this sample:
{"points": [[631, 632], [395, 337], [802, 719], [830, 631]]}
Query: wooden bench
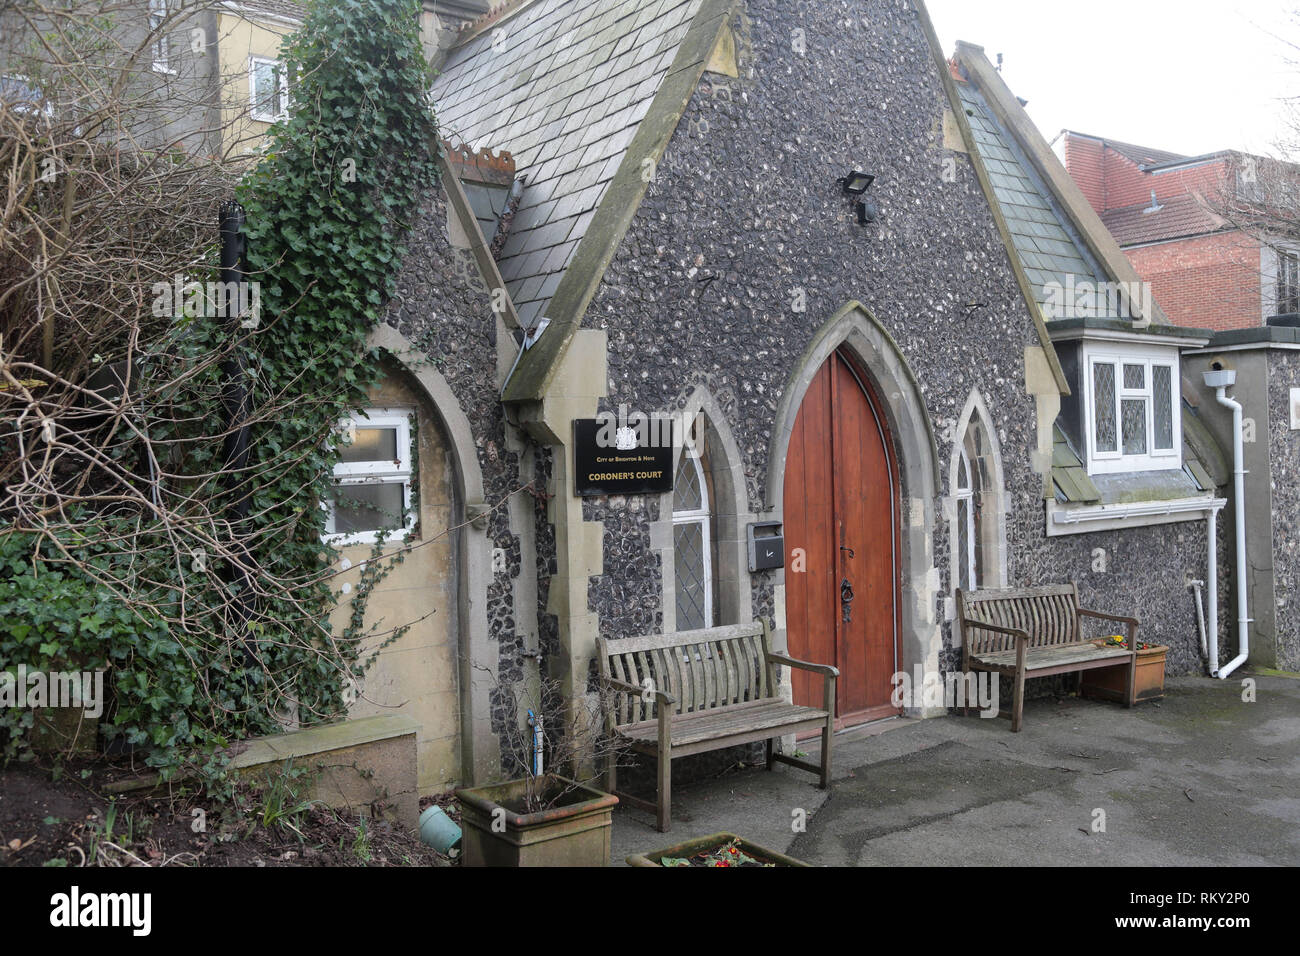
{"points": [[696, 691], [1035, 632]]}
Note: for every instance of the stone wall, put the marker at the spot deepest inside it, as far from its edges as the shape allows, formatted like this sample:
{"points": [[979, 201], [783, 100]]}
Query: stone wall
{"points": [[1284, 375], [745, 246], [443, 307]]}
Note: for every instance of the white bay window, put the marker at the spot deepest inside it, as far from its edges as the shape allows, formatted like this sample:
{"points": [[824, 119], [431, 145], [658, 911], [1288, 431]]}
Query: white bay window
{"points": [[1133, 410]]}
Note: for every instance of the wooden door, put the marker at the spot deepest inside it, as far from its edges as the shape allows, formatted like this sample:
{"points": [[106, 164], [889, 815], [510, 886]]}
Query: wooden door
{"points": [[841, 506]]}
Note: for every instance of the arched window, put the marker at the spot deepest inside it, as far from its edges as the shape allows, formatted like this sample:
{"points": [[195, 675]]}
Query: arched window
{"points": [[693, 537], [967, 534], [977, 532]]}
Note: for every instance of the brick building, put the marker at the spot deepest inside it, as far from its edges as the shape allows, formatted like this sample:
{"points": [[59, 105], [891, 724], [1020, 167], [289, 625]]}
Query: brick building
{"points": [[1163, 210]]}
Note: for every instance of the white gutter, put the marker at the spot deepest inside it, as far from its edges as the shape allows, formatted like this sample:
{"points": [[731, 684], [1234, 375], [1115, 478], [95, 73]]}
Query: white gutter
{"points": [[252, 15], [1220, 380], [1064, 520]]}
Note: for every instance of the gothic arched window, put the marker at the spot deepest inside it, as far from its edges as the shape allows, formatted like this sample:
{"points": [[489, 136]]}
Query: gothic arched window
{"points": [[693, 557]]}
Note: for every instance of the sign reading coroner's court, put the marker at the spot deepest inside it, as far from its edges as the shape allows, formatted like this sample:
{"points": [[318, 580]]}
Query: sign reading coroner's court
{"points": [[628, 456]]}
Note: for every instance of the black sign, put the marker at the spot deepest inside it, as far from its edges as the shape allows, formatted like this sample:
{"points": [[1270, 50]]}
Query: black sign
{"points": [[635, 459]]}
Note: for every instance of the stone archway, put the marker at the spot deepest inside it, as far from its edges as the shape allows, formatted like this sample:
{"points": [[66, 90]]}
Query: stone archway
{"points": [[984, 458], [472, 556], [730, 501], [853, 331]]}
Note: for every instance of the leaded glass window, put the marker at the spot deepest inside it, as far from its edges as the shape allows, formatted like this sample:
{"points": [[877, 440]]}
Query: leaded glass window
{"points": [[1134, 416], [692, 544], [966, 532], [1103, 375], [1133, 411], [1163, 392]]}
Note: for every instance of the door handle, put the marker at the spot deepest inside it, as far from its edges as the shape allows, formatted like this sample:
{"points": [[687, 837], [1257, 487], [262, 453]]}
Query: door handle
{"points": [[846, 599]]}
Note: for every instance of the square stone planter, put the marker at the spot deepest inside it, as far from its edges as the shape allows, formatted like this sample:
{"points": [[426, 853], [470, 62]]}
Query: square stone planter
{"points": [[702, 844], [64, 730], [572, 830], [1111, 683]]}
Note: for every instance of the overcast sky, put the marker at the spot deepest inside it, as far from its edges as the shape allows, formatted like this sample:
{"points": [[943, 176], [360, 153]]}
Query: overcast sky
{"points": [[1189, 76]]}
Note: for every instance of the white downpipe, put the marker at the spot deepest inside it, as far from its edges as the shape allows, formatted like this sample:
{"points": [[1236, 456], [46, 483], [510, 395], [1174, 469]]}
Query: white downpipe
{"points": [[1212, 595], [1239, 473]]}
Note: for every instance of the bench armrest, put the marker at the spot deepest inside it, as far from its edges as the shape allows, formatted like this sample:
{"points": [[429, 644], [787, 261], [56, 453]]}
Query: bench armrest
{"points": [[829, 675], [1085, 612], [660, 696], [826, 670]]}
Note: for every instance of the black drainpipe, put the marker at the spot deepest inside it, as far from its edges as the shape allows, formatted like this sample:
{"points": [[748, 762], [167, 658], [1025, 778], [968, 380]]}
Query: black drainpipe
{"points": [[236, 402]]}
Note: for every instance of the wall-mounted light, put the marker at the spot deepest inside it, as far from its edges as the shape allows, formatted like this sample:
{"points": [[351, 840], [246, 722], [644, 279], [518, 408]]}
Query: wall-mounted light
{"points": [[857, 182]]}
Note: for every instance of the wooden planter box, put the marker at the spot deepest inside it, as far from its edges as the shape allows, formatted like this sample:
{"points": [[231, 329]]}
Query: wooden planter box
{"points": [[1108, 683], [575, 831], [700, 844]]}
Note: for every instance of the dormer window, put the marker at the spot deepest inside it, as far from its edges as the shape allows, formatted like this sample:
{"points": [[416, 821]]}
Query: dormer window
{"points": [[1133, 412]]}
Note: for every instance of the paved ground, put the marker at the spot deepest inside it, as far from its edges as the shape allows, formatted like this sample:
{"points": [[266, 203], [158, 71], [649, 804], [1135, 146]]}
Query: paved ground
{"points": [[1198, 778]]}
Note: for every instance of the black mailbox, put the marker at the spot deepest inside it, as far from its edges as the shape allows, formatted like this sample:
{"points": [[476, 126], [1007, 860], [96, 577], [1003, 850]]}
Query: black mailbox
{"points": [[766, 546]]}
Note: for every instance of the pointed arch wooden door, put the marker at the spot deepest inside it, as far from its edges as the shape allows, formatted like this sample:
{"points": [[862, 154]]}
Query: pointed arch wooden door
{"points": [[841, 528]]}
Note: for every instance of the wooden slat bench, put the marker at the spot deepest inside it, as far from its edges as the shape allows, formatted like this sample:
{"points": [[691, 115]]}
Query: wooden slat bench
{"points": [[1035, 632], [695, 691]]}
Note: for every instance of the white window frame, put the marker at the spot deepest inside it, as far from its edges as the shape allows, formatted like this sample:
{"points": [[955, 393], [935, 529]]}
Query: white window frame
{"points": [[966, 494], [253, 111], [376, 473], [1283, 257], [42, 107], [703, 516], [1112, 462], [160, 49]]}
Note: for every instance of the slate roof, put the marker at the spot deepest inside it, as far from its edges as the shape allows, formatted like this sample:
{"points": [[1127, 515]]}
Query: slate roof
{"points": [[1072, 484], [1047, 243], [1142, 155], [563, 90], [1178, 216]]}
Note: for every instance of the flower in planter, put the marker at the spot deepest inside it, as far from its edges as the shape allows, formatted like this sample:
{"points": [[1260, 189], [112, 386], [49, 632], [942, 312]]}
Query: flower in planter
{"points": [[727, 854], [1116, 640]]}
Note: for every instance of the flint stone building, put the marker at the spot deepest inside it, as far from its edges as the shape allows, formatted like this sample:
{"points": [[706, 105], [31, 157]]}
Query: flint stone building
{"points": [[875, 377]]}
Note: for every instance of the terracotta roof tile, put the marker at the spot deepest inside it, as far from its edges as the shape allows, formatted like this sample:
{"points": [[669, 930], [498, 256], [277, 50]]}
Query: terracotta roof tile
{"points": [[1176, 217]]}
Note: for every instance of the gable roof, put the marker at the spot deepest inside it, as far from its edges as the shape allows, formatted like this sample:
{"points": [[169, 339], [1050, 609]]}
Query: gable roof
{"points": [[563, 85], [1049, 247], [1138, 155], [1055, 231], [1176, 217]]}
